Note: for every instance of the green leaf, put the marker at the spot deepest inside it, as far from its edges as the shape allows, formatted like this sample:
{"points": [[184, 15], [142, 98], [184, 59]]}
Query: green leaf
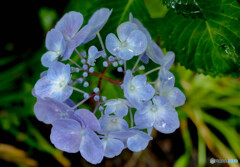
{"points": [[204, 35]]}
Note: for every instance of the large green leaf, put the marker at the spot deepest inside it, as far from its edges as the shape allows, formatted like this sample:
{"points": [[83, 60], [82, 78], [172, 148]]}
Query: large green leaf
{"points": [[205, 35]]}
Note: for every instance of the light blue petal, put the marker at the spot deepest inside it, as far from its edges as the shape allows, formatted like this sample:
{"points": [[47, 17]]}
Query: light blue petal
{"points": [[49, 110], [112, 147], [125, 29], [145, 93], [168, 60], [155, 53], [76, 41], [167, 79], [176, 97], [110, 109], [122, 135], [112, 43], [137, 42], [62, 95], [55, 42], [43, 88], [138, 142], [99, 19], [48, 58], [146, 107], [161, 102], [121, 110], [139, 81], [167, 122], [59, 70], [124, 53], [127, 79], [70, 24], [145, 120], [91, 147], [88, 118], [112, 123], [65, 135]]}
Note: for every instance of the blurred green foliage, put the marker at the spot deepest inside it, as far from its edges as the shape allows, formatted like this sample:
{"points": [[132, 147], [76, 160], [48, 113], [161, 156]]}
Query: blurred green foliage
{"points": [[213, 104]]}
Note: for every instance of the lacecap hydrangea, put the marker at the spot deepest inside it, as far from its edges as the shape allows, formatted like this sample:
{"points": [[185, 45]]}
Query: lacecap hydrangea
{"points": [[148, 105]]}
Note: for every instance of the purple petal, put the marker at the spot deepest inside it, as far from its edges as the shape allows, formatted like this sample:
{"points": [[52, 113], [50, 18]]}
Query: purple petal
{"points": [[91, 147], [88, 118], [65, 135], [48, 58], [55, 41], [50, 110], [70, 24]]}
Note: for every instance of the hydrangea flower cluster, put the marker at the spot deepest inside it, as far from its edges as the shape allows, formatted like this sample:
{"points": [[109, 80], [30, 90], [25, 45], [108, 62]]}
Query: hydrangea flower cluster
{"points": [[148, 105]]}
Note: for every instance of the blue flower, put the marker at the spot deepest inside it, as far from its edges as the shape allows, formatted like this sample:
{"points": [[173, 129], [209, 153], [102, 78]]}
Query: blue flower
{"points": [[167, 89], [136, 89], [96, 22], [93, 54], [159, 115], [116, 132], [77, 134], [69, 26], [56, 45], [131, 42], [55, 84], [117, 106], [48, 110]]}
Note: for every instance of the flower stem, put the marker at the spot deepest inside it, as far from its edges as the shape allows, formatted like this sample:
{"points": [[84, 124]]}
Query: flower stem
{"points": [[153, 70], [139, 58], [78, 90], [78, 54], [81, 102], [131, 116], [75, 63], [101, 41], [96, 107]]}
